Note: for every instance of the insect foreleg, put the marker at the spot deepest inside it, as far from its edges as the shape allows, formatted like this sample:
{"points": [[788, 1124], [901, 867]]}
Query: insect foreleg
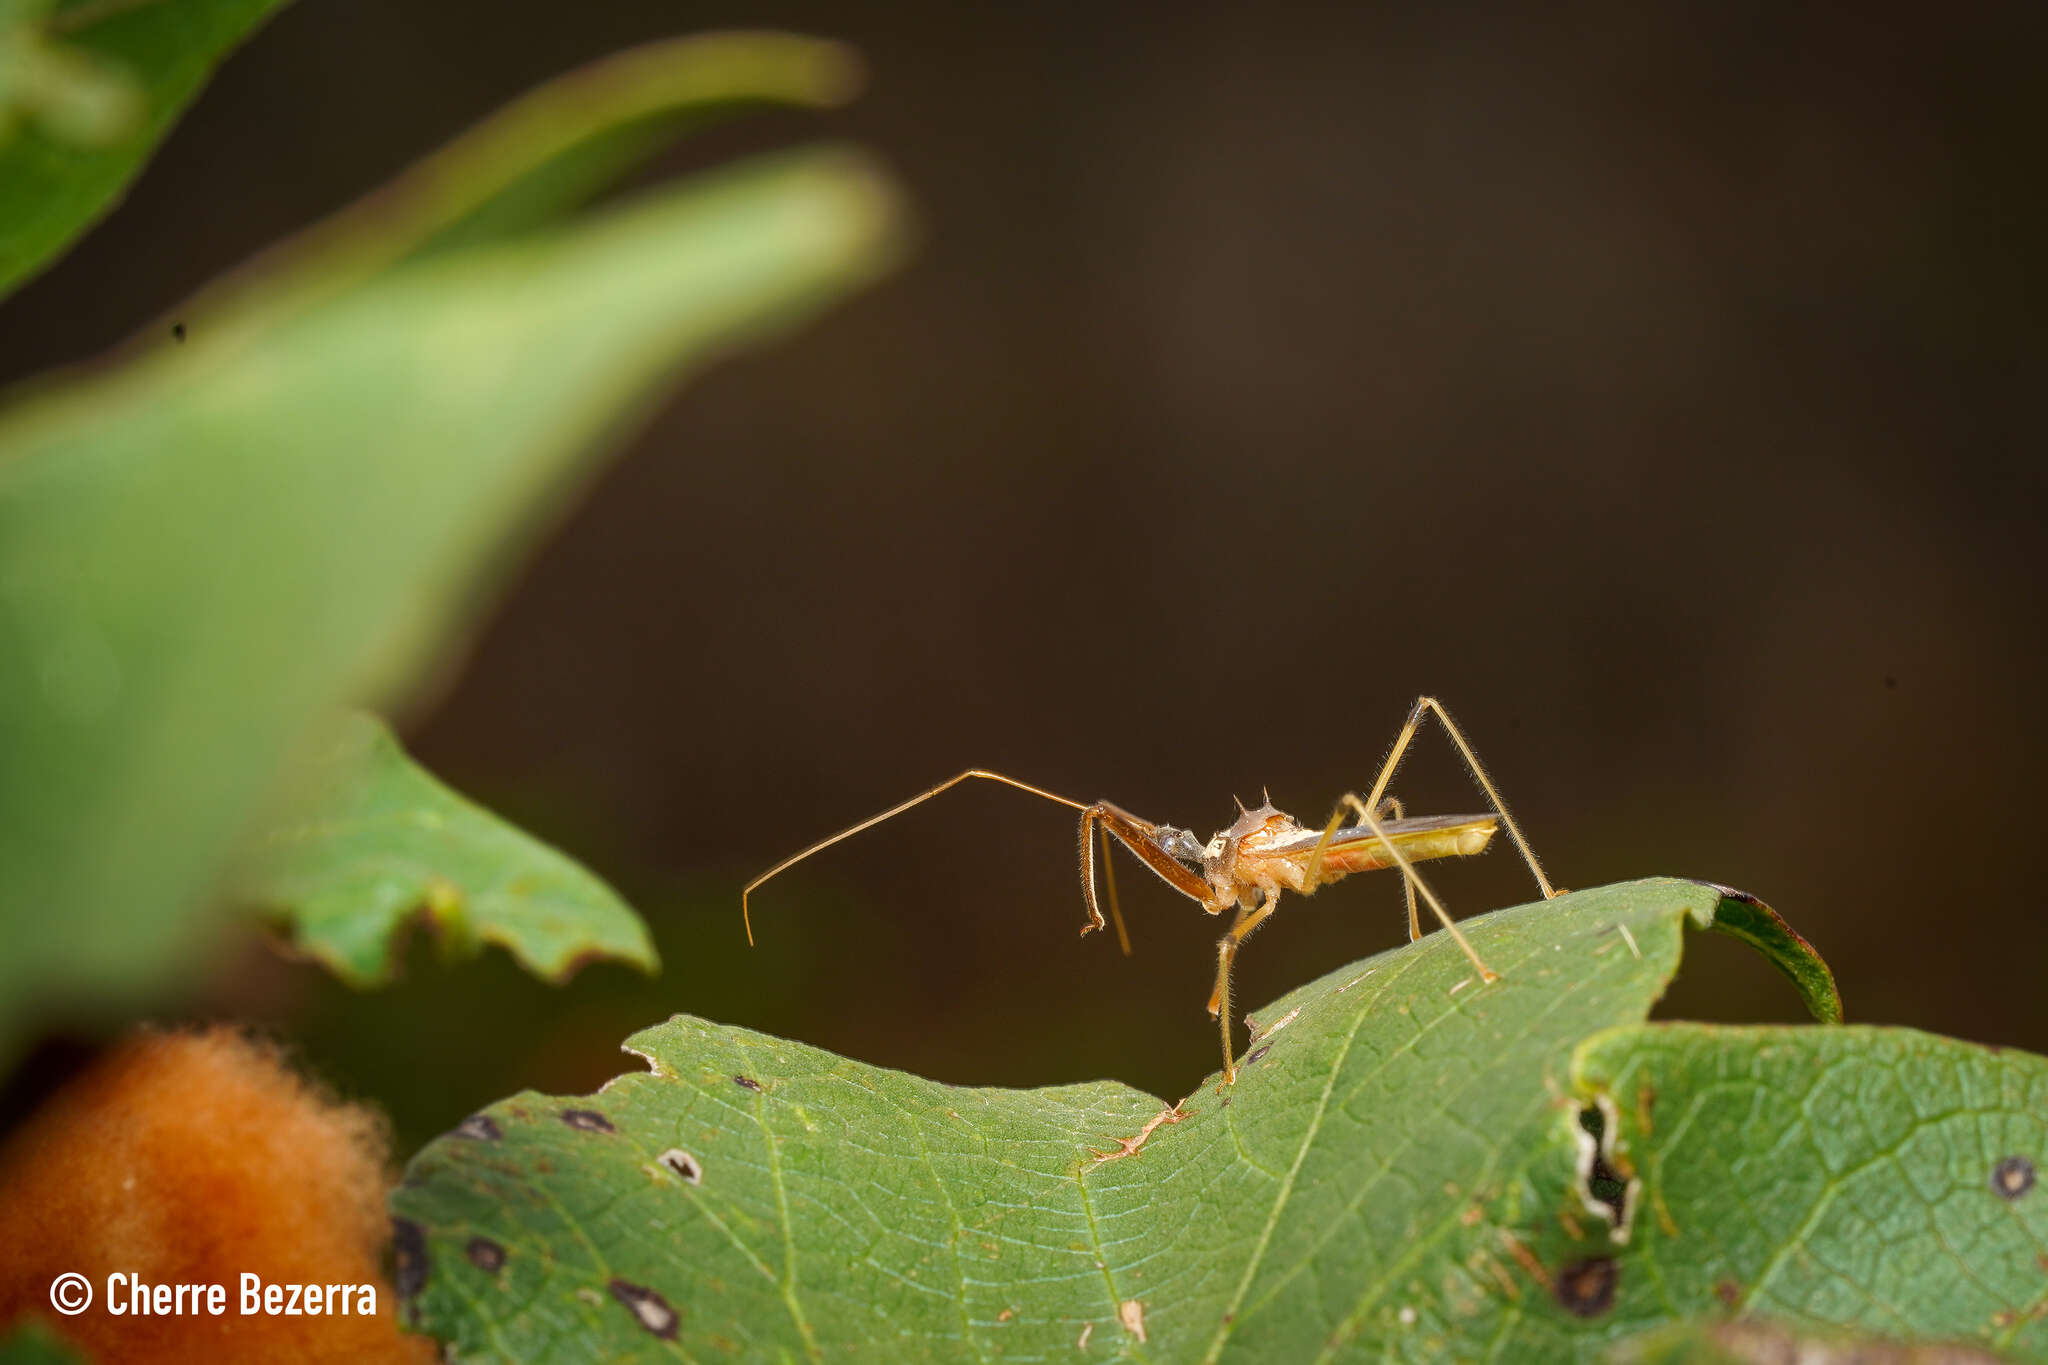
{"points": [[1090, 819]]}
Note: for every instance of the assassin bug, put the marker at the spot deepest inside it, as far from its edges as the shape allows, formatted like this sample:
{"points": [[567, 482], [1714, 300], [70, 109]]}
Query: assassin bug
{"points": [[1246, 867]]}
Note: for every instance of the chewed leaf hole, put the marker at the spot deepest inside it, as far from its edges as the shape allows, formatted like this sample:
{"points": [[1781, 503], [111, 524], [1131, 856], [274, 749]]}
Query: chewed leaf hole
{"points": [[1604, 1184], [683, 1164], [1607, 1192]]}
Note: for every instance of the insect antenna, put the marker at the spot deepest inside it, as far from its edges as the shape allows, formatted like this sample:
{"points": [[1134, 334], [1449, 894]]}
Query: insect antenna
{"points": [[746, 913]]}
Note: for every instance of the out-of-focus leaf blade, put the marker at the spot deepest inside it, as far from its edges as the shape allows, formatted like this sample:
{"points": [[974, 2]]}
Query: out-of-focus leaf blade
{"points": [[1750, 1342], [1412, 1165], [376, 842], [204, 551], [542, 154], [33, 1343], [86, 94]]}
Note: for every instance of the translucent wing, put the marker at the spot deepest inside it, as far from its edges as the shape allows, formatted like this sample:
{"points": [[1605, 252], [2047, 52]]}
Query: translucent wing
{"points": [[1356, 848]]}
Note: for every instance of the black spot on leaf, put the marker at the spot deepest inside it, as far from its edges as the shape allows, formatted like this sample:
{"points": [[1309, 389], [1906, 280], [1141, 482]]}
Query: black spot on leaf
{"points": [[1586, 1288], [479, 1128], [1258, 1052], [177, 331], [2012, 1177], [485, 1254], [746, 1082], [683, 1164], [409, 1257], [649, 1308], [589, 1120]]}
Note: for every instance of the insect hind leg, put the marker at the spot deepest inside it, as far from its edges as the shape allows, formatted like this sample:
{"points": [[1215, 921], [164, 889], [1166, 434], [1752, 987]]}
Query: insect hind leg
{"points": [[1417, 885], [1420, 712]]}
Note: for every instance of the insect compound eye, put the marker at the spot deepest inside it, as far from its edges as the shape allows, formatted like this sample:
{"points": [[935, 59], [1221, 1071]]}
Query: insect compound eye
{"points": [[1178, 844]]}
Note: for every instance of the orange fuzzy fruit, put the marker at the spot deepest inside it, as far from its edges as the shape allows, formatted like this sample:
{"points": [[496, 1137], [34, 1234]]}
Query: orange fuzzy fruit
{"points": [[194, 1158]]}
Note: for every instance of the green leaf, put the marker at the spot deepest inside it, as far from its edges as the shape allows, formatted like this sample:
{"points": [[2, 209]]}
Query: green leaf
{"points": [[86, 94], [380, 842], [33, 1343], [1403, 1169], [205, 551], [544, 153], [1882, 1179], [1751, 1342]]}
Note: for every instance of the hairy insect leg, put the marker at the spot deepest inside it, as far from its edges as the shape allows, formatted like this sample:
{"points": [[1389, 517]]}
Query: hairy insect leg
{"points": [[1140, 836], [1226, 957], [1312, 876], [1388, 806], [1089, 816], [1416, 715], [1415, 881], [1091, 820]]}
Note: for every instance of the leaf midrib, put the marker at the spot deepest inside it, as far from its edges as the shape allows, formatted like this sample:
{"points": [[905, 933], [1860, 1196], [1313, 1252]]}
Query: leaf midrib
{"points": [[1286, 1191]]}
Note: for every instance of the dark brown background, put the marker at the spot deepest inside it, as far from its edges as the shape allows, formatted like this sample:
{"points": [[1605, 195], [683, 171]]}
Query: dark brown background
{"points": [[1648, 383]]}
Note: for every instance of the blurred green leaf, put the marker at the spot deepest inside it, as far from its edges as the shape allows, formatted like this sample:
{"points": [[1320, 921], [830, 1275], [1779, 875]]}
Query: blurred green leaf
{"points": [[33, 1343], [1411, 1165], [379, 842], [87, 91], [206, 549], [1770, 1343], [527, 163]]}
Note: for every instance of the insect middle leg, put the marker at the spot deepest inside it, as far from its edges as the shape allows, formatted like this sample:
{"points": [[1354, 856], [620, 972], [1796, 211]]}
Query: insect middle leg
{"points": [[1369, 818], [1312, 876]]}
